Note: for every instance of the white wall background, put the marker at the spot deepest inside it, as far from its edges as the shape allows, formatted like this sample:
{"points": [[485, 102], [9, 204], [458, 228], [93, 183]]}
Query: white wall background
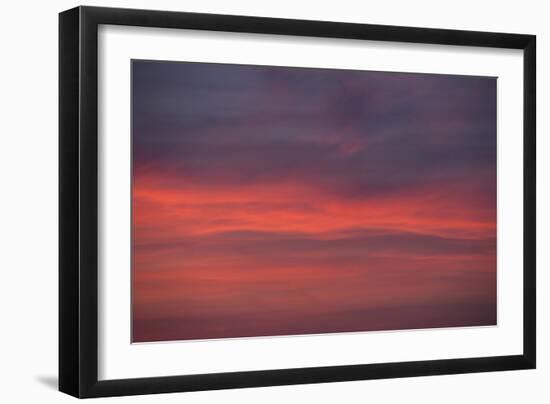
{"points": [[28, 200]]}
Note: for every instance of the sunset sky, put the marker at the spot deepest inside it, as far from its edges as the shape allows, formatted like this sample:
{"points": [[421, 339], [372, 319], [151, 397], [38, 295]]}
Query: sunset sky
{"points": [[280, 201]]}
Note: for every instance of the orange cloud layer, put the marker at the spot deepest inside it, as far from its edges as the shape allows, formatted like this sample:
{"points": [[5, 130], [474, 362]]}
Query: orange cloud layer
{"points": [[294, 207]]}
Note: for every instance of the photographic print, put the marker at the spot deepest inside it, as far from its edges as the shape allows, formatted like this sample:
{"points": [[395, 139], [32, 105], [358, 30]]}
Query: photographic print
{"points": [[272, 201]]}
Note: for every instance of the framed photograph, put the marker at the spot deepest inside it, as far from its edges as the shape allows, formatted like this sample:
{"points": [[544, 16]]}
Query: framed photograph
{"points": [[251, 201]]}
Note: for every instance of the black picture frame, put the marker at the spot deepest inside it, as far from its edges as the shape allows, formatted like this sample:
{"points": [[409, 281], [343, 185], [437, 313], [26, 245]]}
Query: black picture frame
{"points": [[78, 201]]}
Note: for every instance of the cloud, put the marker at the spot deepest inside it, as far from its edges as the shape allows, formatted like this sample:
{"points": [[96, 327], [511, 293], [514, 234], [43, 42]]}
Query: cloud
{"points": [[268, 193]]}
